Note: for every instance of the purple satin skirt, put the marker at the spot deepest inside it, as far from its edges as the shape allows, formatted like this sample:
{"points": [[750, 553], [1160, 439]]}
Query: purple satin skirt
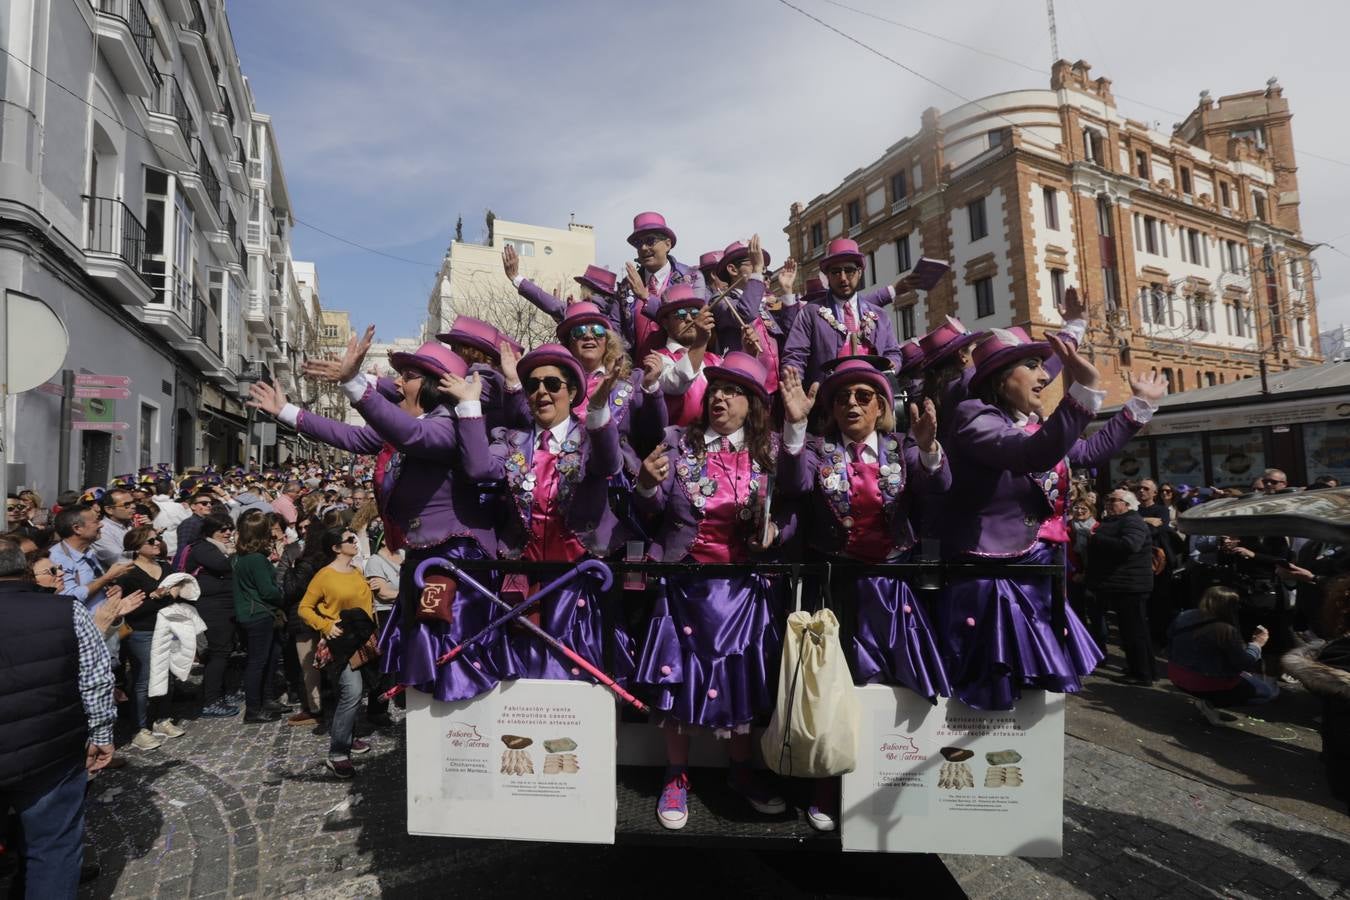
{"points": [[712, 650], [894, 643], [576, 616], [998, 638], [410, 653]]}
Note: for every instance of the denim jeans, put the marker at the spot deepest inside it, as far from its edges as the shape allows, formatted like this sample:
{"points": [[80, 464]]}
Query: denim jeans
{"points": [[138, 645], [264, 651], [350, 688], [51, 815]]}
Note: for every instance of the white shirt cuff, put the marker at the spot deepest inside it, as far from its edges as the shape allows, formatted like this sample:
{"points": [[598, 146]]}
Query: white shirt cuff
{"points": [[890, 289], [789, 299], [518, 281], [469, 409], [1075, 328], [1140, 410], [597, 418], [654, 388], [356, 388], [756, 276], [289, 415], [794, 436], [1086, 397], [647, 492], [931, 461]]}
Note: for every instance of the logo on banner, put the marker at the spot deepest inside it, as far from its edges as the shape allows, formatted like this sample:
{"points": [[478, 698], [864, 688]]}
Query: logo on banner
{"points": [[901, 747], [465, 734]]}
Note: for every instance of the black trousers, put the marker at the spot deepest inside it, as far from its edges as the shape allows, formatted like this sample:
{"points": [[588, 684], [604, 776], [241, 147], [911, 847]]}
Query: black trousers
{"points": [[1132, 617], [219, 619]]}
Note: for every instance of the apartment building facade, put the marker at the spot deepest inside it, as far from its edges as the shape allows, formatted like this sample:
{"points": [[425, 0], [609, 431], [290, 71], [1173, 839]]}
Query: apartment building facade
{"points": [[1188, 244], [142, 199]]}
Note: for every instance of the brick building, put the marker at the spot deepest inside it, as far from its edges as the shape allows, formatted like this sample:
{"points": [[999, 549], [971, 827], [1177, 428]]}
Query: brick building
{"points": [[1188, 243]]}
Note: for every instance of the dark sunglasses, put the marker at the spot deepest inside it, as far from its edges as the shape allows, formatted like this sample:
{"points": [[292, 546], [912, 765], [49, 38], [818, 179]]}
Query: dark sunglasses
{"points": [[54, 570], [686, 312], [14, 509], [153, 540], [585, 331], [643, 240], [843, 270], [349, 540], [847, 395], [551, 383]]}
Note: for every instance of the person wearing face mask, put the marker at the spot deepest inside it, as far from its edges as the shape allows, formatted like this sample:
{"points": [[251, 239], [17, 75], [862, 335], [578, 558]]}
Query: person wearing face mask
{"points": [[712, 644], [1010, 489], [430, 506], [209, 562], [555, 477], [634, 307], [687, 326], [841, 323]]}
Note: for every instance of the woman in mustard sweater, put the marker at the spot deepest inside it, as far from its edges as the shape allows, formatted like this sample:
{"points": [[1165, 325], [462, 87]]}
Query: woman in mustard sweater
{"points": [[336, 587]]}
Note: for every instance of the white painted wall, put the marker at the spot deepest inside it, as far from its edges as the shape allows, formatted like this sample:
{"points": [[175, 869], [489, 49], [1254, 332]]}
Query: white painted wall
{"points": [[1042, 236], [964, 250]]}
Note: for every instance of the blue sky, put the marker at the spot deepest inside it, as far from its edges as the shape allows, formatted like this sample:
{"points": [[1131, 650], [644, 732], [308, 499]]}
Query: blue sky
{"points": [[394, 119]]}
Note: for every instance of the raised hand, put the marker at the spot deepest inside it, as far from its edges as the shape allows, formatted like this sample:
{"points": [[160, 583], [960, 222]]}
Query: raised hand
{"points": [[357, 348], [509, 359], [756, 254], [905, 283], [923, 426], [600, 396], [1073, 306], [636, 282], [462, 389], [786, 277], [266, 396], [1077, 369], [1149, 387], [326, 368], [704, 325], [797, 403], [655, 467], [510, 262], [652, 364]]}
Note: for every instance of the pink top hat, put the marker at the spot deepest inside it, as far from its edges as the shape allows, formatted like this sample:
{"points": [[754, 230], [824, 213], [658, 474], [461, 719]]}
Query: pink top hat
{"points": [[553, 355], [911, 355], [856, 370], [516, 346], [474, 333], [815, 289], [583, 313], [709, 260], [682, 295], [743, 369], [650, 221], [940, 343], [432, 357], [598, 279], [737, 252], [841, 250], [1003, 347]]}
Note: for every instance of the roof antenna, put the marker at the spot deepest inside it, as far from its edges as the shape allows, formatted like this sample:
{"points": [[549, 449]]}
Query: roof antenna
{"points": [[1054, 36]]}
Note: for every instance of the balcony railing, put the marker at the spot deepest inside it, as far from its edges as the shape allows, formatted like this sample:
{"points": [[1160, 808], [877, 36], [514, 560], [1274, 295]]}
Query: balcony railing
{"points": [[170, 101], [239, 155], [114, 230], [228, 109], [198, 21], [205, 323], [208, 173], [133, 13]]}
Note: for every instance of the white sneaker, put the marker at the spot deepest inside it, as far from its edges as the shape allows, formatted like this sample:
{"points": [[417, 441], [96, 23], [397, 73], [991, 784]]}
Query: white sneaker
{"points": [[145, 739], [166, 728], [820, 820]]}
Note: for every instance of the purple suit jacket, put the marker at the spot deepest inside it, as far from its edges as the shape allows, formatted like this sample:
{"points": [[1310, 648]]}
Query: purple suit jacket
{"points": [[747, 303], [542, 299], [676, 525], [812, 342], [997, 503], [800, 474], [587, 513], [621, 309]]}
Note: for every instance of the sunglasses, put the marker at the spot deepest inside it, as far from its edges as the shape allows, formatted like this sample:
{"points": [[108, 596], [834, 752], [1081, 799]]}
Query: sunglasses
{"points": [[411, 375], [686, 312], [846, 396], [646, 240], [14, 509], [54, 570], [727, 390], [150, 541], [350, 539], [843, 270], [551, 383], [585, 331]]}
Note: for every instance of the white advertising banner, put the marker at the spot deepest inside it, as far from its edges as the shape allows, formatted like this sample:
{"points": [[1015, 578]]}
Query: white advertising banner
{"points": [[529, 760], [951, 779]]}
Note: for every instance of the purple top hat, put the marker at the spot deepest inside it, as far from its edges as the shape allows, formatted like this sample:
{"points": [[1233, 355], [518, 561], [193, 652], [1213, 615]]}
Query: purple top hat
{"points": [[841, 250], [583, 313], [709, 260], [552, 355], [743, 369], [682, 295], [856, 370], [815, 289], [650, 221], [474, 333], [1003, 347], [736, 252], [598, 279], [911, 355], [432, 357], [945, 340]]}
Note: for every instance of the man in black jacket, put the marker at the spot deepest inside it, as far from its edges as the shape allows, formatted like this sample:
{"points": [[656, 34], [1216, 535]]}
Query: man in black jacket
{"points": [[56, 723], [1120, 571]]}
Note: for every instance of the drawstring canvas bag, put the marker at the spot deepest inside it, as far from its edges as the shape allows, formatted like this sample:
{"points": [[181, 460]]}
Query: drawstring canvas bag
{"points": [[814, 729]]}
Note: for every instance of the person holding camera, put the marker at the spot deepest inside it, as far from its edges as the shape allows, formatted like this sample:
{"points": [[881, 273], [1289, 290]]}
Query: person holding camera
{"points": [[1208, 659]]}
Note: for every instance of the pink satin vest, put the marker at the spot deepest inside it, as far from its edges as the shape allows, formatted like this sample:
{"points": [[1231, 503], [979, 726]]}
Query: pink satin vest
{"points": [[1055, 484], [720, 539], [869, 539], [550, 539]]}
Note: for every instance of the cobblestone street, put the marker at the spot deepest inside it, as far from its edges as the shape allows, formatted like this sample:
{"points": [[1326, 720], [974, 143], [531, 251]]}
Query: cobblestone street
{"points": [[235, 811]]}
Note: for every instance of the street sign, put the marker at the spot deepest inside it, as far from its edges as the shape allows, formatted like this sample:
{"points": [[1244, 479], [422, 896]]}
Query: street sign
{"points": [[96, 410], [103, 393], [99, 426], [103, 381]]}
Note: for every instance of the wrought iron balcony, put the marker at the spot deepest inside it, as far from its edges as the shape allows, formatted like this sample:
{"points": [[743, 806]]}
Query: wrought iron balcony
{"points": [[169, 101], [114, 230], [126, 39]]}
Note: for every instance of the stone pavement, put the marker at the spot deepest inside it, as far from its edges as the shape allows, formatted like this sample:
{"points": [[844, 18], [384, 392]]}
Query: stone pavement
{"points": [[234, 810]]}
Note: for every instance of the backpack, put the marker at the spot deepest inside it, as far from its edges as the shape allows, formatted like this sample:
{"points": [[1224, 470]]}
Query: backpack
{"points": [[181, 557]]}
